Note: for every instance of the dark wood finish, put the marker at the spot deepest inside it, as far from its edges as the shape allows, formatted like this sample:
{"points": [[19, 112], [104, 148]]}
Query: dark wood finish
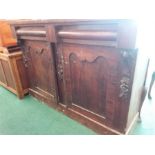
{"points": [[12, 73], [39, 61], [97, 79], [38, 58], [86, 66]]}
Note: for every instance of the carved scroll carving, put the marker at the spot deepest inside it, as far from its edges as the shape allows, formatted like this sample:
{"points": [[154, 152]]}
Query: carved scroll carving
{"points": [[25, 57], [124, 87], [126, 73], [60, 68], [31, 32], [40, 51]]}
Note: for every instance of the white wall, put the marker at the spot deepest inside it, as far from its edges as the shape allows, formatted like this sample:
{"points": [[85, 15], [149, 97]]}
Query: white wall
{"points": [[135, 9]]}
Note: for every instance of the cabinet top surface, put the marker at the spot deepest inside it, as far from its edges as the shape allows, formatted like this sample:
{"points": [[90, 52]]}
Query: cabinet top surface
{"points": [[66, 21]]}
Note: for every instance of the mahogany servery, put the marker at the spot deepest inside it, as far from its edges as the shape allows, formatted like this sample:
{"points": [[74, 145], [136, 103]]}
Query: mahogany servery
{"points": [[84, 68]]}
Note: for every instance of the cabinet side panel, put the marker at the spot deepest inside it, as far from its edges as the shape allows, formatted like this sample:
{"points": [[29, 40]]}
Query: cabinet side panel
{"points": [[8, 75], [22, 73], [2, 77], [139, 78]]}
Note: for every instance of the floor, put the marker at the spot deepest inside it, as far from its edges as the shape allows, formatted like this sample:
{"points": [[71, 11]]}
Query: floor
{"points": [[147, 125], [31, 117]]}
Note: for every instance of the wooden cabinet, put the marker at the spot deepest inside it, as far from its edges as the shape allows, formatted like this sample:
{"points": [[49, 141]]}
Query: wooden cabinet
{"points": [[12, 70], [12, 73], [97, 75], [88, 67]]}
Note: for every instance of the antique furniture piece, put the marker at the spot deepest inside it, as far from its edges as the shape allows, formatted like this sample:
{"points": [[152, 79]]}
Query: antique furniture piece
{"points": [[12, 73], [12, 70], [88, 69]]}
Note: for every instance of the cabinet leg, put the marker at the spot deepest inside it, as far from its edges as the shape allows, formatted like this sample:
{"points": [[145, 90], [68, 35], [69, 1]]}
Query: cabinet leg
{"points": [[151, 84], [20, 96]]}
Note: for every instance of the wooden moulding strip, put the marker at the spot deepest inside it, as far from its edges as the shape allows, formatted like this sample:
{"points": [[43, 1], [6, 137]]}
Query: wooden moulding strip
{"points": [[81, 34], [9, 88], [3, 57], [32, 32], [91, 122], [91, 42], [98, 123], [33, 38], [15, 54]]}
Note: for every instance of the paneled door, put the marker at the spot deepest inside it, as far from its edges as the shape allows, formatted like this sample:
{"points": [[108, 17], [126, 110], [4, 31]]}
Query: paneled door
{"points": [[91, 79], [38, 59]]}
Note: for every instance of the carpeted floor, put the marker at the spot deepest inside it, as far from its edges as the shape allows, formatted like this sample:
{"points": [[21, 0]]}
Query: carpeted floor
{"points": [[147, 126], [31, 117]]}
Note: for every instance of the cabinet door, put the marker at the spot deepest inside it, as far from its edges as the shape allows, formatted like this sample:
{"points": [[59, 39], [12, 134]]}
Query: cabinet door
{"points": [[91, 79], [38, 58]]}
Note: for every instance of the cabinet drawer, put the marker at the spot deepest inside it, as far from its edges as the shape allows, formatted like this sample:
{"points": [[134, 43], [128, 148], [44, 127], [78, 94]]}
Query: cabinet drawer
{"points": [[31, 33]]}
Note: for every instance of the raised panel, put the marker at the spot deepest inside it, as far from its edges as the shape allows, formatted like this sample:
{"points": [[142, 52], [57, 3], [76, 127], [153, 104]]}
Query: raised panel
{"points": [[87, 79], [2, 76], [91, 76], [38, 60], [8, 75]]}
